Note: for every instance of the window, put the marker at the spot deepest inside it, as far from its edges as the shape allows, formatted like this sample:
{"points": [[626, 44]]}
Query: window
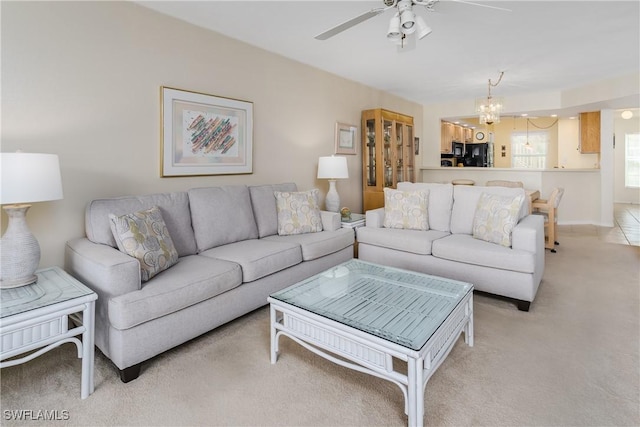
{"points": [[632, 160], [529, 150]]}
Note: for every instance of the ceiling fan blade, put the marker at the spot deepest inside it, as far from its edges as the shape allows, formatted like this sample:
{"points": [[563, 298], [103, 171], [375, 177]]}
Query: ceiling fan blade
{"points": [[350, 23], [483, 5]]}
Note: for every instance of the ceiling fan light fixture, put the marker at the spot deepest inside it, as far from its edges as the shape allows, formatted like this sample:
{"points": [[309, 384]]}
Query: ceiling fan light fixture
{"points": [[423, 29], [407, 20], [394, 34]]}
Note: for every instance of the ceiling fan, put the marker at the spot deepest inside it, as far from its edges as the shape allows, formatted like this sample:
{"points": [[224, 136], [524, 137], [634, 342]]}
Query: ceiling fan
{"points": [[403, 23]]}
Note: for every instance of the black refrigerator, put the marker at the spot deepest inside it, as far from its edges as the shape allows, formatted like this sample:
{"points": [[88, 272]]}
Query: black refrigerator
{"points": [[476, 155]]}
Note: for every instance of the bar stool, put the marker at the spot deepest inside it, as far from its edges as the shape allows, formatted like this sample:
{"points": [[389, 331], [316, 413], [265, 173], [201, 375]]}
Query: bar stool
{"points": [[463, 182], [501, 183], [549, 209]]}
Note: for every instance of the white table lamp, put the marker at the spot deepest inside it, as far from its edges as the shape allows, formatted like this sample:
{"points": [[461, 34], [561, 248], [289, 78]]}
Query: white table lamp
{"points": [[332, 168], [26, 178]]}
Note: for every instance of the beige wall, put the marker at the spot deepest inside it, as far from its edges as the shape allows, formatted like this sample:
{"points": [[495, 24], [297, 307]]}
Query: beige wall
{"points": [[82, 79], [621, 128]]}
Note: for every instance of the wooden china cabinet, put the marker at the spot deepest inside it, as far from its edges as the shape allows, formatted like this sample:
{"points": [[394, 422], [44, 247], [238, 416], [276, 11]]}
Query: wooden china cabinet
{"points": [[388, 154]]}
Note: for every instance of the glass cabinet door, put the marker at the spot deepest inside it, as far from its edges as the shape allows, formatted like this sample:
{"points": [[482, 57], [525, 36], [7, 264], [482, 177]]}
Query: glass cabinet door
{"points": [[409, 157], [399, 151], [370, 152], [387, 131]]}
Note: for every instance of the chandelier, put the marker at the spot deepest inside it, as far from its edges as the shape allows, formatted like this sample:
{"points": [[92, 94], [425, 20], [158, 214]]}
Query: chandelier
{"points": [[489, 108]]}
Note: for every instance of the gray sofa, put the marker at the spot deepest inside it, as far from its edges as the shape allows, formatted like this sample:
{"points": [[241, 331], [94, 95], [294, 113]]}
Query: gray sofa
{"points": [[230, 259], [448, 248]]}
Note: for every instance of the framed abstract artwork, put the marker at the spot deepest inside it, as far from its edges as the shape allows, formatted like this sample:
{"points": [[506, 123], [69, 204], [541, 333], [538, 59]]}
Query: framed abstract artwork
{"points": [[204, 134], [346, 141]]}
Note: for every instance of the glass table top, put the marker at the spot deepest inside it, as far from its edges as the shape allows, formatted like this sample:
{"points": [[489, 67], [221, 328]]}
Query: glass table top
{"points": [[400, 306], [354, 218], [53, 286]]}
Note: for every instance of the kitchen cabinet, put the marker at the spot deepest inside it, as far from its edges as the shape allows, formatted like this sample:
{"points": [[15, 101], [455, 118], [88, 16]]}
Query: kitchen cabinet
{"points": [[590, 132], [446, 137], [388, 154], [468, 135]]}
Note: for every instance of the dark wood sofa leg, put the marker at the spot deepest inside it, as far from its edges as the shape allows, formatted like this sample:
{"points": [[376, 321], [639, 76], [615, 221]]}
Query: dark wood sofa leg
{"points": [[130, 373], [524, 305]]}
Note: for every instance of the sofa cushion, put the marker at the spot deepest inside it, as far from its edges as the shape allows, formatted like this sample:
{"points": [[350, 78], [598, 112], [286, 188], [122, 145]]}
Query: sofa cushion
{"points": [[192, 280], [173, 206], [495, 218], [439, 205], [144, 236], [258, 258], [298, 212], [221, 215], [465, 202], [464, 248], [317, 245], [406, 209], [414, 241], [263, 202]]}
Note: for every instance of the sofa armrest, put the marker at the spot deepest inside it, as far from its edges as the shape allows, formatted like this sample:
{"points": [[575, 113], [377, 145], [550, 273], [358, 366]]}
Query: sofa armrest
{"points": [[528, 234], [102, 268], [330, 220], [375, 218]]}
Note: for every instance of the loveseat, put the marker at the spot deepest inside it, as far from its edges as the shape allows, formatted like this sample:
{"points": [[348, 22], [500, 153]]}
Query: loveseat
{"points": [[230, 258], [510, 268]]}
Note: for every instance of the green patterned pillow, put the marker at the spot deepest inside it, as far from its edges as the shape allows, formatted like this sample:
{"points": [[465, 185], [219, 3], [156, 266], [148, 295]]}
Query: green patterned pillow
{"points": [[144, 236], [406, 209], [298, 212], [495, 218]]}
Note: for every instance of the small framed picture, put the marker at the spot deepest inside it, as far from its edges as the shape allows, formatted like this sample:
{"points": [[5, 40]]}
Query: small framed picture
{"points": [[346, 139]]}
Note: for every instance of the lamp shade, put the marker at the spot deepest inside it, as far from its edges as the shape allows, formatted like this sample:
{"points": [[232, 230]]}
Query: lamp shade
{"points": [[332, 167], [30, 177]]}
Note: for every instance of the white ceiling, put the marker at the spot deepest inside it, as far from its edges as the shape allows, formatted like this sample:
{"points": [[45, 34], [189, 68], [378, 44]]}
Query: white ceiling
{"points": [[543, 46]]}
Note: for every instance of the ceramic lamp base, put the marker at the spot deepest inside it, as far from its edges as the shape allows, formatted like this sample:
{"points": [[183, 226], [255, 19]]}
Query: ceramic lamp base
{"points": [[20, 254], [332, 201]]}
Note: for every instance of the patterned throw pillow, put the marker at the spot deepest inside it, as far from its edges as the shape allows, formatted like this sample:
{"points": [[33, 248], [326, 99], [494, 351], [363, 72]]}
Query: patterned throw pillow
{"points": [[298, 212], [144, 236], [406, 209], [495, 218]]}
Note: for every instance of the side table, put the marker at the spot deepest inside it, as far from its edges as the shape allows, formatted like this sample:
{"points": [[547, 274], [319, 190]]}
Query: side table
{"points": [[355, 221], [36, 317]]}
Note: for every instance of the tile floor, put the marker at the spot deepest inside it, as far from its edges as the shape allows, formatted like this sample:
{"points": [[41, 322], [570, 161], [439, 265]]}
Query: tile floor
{"points": [[625, 232]]}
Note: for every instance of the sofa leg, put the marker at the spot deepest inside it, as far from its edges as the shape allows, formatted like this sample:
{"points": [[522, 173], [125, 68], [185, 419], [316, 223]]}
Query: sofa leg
{"points": [[130, 373], [524, 305]]}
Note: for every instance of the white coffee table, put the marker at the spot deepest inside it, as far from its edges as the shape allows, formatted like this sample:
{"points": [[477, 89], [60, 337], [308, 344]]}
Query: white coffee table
{"points": [[370, 314], [36, 317]]}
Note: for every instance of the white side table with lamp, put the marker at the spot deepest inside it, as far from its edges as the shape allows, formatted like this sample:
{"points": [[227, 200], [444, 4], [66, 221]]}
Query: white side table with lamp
{"points": [[332, 168], [35, 306]]}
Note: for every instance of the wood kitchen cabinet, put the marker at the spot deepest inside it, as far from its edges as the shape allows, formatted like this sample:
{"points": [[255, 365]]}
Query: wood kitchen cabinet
{"points": [[468, 135], [446, 137], [388, 154], [590, 132]]}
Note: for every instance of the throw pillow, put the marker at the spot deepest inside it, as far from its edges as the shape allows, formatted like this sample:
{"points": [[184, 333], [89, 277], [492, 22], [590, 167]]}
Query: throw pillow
{"points": [[144, 236], [495, 218], [298, 212], [406, 209]]}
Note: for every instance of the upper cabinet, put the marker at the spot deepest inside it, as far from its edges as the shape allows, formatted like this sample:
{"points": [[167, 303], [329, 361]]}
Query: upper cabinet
{"points": [[590, 132], [468, 135], [446, 137], [450, 132], [388, 154]]}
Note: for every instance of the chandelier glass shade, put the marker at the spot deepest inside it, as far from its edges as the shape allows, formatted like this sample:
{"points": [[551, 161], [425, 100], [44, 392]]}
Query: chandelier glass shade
{"points": [[490, 108]]}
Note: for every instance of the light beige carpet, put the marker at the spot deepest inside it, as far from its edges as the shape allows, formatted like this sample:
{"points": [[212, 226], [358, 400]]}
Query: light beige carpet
{"points": [[571, 361]]}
